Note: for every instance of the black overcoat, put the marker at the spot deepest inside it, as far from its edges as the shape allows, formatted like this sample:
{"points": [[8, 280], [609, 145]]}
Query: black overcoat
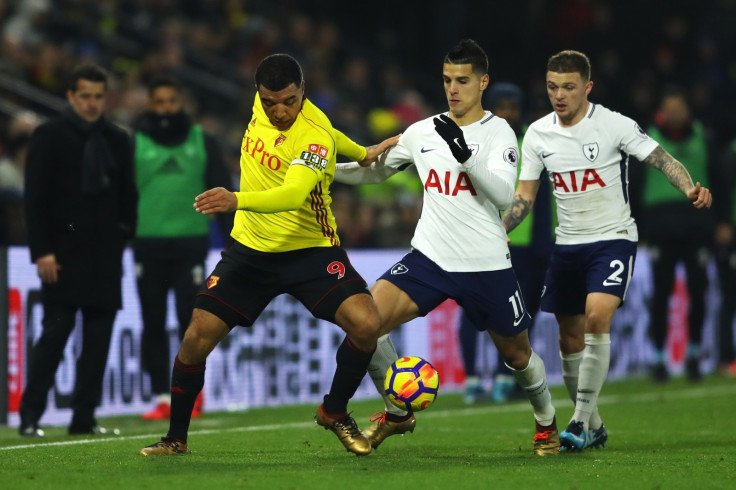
{"points": [[87, 233]]}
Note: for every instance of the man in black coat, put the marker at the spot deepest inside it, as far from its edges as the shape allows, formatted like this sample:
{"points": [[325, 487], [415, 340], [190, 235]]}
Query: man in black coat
{"points": [[81, 207]]}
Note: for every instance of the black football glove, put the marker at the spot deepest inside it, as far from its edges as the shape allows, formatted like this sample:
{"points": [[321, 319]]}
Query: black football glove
{"points": [[453, 135]]}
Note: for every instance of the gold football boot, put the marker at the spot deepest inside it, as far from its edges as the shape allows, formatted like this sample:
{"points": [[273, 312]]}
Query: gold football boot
{"points": [[547, 440], [165, 447], [382, 428], [346, 430]]}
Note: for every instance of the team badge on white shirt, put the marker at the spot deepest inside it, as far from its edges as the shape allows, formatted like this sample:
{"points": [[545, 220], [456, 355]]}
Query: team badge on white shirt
{"points": [[588, 166], [591, 151]]}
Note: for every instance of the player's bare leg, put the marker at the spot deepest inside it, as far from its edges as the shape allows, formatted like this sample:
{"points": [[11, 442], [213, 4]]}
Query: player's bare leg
{"points": [[358, 316], [395, 307]]}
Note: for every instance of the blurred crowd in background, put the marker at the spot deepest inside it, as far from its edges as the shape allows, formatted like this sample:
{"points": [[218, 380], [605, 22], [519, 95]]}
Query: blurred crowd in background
{"points": [[373, 67]]}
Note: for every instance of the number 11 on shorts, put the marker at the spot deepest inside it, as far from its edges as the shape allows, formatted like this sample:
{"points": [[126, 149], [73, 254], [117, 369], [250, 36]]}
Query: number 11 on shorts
{"points": [[518, 304]]}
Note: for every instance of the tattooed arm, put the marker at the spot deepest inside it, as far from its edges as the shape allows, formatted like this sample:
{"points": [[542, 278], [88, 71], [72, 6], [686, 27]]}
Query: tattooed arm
{"points": [[675, 172], [679, 177], [526, 193]]}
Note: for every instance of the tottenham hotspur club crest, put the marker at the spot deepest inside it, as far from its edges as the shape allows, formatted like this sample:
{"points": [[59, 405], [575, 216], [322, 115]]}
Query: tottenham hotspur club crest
{"points": [[399, 269], [591, 151]]}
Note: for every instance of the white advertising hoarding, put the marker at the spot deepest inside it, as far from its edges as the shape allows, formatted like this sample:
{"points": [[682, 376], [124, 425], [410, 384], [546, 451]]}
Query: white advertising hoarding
{"points": [[288, 356]]}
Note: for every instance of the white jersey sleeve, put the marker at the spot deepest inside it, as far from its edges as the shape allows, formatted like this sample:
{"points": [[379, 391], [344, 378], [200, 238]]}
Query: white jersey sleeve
{"points": [[352, 173], [460, 226], [533, 164], [588, 167], [495, 172], [633, 140]]}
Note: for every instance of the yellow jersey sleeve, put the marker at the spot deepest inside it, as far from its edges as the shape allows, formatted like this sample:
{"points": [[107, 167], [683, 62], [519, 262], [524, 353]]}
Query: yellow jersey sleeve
{"points": [[348, 147], [284, 183], [298, 181]]}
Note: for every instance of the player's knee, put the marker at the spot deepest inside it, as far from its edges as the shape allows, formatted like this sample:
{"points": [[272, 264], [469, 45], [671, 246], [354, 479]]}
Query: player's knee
{"points": [[597, 322], [518, 358], [570, 344], [365, 330], [359, 317], [517, 363], [195, 346], [189, 348]]}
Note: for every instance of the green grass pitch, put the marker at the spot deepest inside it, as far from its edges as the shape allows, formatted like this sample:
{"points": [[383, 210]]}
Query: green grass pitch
{"points": [[671, 436]]}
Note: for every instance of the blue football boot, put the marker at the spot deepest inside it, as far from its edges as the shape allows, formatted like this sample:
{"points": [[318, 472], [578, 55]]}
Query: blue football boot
{"points": [[573, 438], [597, 437]]}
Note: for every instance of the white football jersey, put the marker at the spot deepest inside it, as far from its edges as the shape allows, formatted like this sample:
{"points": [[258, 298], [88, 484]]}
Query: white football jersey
{"points": [[588, 165], [460, 226]]}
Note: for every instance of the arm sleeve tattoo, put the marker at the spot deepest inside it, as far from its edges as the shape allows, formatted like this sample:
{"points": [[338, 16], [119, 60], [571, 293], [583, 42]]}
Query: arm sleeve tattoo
{"points": [[519, 209], [675, 171]]}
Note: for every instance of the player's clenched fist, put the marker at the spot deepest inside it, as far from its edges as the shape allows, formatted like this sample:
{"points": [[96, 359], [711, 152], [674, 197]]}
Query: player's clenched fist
{"points": [[700, 196], [217, 200]]}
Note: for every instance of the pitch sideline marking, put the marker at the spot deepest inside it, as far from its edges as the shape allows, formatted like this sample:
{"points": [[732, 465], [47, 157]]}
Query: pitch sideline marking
{"points": [[512, 407]]}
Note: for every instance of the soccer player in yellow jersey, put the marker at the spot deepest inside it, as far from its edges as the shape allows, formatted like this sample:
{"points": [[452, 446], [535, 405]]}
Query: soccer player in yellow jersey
{"points": [[285, 242]]}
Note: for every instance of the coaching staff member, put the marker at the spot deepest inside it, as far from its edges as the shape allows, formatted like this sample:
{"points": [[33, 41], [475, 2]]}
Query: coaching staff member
{"points": [[81, 209]]}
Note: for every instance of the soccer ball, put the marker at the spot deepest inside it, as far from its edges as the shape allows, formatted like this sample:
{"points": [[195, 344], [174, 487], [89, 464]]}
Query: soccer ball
{"points": [[412, 383]]}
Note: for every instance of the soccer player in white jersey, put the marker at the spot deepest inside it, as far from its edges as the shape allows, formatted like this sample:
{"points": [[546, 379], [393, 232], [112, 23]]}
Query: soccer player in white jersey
{"points": [[467, 160], [585, 148]]}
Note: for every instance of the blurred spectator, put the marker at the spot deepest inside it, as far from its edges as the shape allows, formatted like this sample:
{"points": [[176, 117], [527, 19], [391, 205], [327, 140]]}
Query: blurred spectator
{"points": [[725, 243], [12, 219], [13, 229], [213, 48], [674, 230], [27, 23], [356, 86], [14, 145], [12, 164]]}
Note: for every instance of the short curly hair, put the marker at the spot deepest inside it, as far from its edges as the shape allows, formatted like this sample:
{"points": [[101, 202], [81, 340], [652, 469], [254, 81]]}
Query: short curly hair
{"points": [[570, 61], [278, 71]]}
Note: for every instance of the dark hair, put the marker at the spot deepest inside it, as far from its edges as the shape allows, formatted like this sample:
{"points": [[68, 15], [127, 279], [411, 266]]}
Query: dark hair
{"points": [[90, 72], [570, 61], [278, 71], [469, 52], [163, 82], [504, 91]]}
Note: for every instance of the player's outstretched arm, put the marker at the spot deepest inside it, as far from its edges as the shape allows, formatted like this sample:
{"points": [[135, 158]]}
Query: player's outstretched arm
{"points": [[353, 173], [217, 200], [679, 177], [524, 197], [373, 152], [289, 196]]}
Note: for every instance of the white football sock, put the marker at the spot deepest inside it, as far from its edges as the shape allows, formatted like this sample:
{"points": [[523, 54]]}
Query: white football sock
{"points": [[384, 356], [593, 372], [570, 373], [533, 378]]}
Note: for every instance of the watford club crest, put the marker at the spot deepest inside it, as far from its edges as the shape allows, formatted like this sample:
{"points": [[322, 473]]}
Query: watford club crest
{"points": [[279, 141], [212, 281]]}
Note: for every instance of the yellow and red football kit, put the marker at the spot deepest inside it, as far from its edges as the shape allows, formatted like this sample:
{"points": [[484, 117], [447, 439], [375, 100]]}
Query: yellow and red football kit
{"points": [[284, 200]]}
